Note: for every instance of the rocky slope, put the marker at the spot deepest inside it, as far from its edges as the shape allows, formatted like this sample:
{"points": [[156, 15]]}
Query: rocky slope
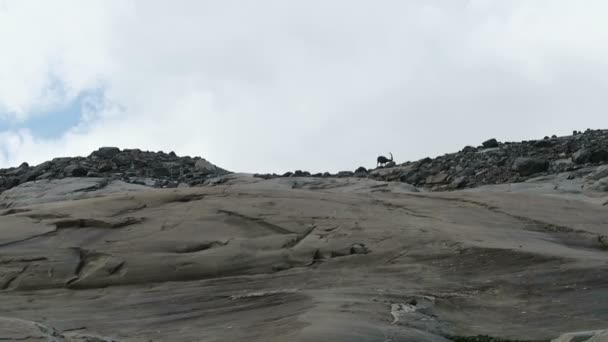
{"points": [[243, 258], [493, 162], [132, 166]]}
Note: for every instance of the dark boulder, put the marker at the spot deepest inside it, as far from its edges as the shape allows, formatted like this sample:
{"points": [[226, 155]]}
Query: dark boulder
{"points": [[543, 143], [75, 171], [581, 156], [159, 172], [361, 169], [300, 173], [491, 143], [598, 156], [345, 174], [105, 167], [527, 166], [106, 152]]}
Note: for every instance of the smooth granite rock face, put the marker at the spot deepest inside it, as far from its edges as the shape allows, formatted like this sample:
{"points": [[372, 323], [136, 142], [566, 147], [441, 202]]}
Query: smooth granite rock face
{"points": [[302, 259]]}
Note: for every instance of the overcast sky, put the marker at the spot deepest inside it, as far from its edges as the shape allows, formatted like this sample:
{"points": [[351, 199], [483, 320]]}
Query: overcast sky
{"points": [[271, 86]]}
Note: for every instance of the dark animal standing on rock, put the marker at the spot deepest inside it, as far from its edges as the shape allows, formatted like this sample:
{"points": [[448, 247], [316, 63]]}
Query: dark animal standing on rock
{"points": [[383, 160]]}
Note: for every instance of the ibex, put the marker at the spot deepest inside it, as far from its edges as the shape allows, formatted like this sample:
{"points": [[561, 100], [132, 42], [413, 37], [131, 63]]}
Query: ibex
{"points": [[383, 160]]}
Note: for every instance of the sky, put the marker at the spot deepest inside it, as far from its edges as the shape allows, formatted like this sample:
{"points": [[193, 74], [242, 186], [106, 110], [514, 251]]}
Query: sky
{"points": [[317, 85]]}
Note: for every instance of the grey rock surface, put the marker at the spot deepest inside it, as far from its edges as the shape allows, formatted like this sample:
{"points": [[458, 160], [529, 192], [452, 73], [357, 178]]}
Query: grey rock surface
{"points": [[304, 259]]}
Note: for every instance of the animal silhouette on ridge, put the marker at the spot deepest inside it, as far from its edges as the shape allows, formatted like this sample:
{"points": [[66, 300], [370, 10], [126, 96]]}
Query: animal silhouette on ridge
{"points": [[383, 160]]}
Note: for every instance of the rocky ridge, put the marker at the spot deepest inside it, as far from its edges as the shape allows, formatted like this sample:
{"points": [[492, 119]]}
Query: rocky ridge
{"points": [[156, 169], [493, 162]]}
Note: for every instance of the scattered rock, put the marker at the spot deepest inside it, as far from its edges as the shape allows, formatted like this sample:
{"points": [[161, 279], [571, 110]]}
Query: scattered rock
{"points": [[300, 173], [358, 248], [584, 336], [490, 143], [205, 166], [75, 171], [581, 156], [529, 166], [106, 152], [436, 179], [390, 164], [598, 156], [114, 164]]}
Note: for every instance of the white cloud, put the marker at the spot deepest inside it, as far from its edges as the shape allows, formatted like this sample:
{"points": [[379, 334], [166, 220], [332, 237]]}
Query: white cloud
{"points": [[276, 85]]}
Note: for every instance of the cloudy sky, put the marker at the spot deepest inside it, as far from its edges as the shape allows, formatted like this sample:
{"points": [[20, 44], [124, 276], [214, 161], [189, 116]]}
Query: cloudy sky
{"points": [[272, 86]]}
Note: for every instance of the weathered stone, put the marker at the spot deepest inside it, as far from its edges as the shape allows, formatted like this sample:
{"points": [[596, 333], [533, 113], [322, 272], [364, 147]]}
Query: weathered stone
{"points": [[491, 143], [437, 178], [581, 156], [598, 156], [528, 166], [543, 143], [106, 152], [160, 172], [75, 171], [205, 166], [300, 173], [358, 248], [105, 166], [584, 336], [345, 174]]}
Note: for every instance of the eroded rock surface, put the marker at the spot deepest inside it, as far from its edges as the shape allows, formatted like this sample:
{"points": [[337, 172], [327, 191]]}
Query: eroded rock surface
{"points": [[305, 259]]}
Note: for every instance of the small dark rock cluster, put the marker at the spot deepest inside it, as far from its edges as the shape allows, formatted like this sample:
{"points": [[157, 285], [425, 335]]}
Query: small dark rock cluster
{"points": [[360, 172], [156, 169]]}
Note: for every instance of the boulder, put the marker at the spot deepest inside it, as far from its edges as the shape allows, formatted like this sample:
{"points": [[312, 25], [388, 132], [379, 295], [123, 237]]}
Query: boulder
{"points": [[543, 143], [106, 152], [75, 171], [437, 178], [106, 166], [161, 171], [581, 156], [584, 336], [490, 143], [526, 166], [300, 173], [205, 166], [345, 174], [598, 156]]}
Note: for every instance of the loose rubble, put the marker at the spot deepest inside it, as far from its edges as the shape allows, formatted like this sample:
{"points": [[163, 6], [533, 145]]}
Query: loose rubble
{"points": [[156, 169], [494, 162]]}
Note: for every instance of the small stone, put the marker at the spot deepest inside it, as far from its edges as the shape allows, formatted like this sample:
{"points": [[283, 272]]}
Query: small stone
{"points": [[359, 248]]}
